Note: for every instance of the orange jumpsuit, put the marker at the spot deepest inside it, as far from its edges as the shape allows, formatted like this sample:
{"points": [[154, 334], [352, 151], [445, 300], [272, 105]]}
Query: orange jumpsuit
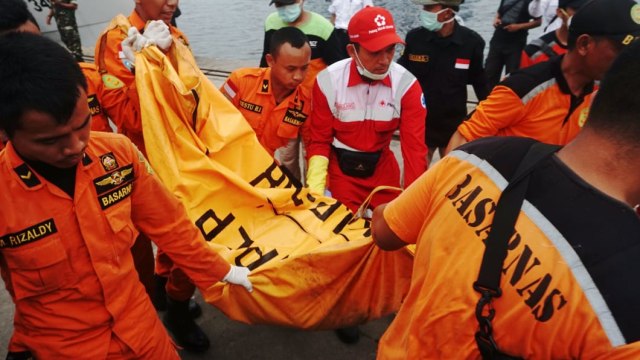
{"points": [[95, 88], [126, 105], [534, 102], [275, 124], [67, 262], [566, 275], [125, 113]]}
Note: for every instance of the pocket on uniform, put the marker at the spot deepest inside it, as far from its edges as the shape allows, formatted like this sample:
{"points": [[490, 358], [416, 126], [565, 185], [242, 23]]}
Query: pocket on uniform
{"points": [[119, 219], [38, 268]]}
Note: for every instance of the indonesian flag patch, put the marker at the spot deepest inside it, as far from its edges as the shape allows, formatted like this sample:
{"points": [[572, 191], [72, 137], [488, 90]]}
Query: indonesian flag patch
{"points": [[462, 64]]}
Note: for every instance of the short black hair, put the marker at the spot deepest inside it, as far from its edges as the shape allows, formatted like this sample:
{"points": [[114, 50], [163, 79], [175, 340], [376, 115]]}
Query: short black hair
{"points": [[36, 74], [286, 35], [615, 111], [13, 14]]}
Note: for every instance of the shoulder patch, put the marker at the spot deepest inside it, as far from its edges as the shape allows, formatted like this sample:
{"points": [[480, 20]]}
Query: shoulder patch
{"points": [[86, 160], [143, 160], [112, 82], [27, 176]]}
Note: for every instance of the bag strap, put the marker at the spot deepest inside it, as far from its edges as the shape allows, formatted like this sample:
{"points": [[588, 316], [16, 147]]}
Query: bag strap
{"points": [[502, 228]]}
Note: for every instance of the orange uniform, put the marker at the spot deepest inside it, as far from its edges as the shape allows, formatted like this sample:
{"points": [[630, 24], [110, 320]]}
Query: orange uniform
{"points": [[542, 49], [67, 263], [125, 111], [275, 124], [95, 89], [565, 283], [535, 102]]}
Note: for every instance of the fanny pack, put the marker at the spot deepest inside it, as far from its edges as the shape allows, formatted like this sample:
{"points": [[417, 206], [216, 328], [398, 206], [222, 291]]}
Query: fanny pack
{"points": [[356, 163]]}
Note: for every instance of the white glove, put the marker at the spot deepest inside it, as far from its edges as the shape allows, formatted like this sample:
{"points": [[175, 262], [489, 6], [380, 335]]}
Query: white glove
{"points": [[130, 45], [239, 275], [159, 34]]}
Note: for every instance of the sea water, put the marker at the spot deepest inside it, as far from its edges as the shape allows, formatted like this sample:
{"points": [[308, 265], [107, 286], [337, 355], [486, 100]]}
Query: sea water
{"points": [[234, 29]]}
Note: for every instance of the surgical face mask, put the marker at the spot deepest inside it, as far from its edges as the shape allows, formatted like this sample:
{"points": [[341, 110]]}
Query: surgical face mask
{"points": [[366, 73], [289, 13], [430, 20]]}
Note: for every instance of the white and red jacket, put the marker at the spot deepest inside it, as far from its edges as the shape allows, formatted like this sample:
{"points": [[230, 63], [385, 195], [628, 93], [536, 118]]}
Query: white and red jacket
{"points": [[353, 114]]}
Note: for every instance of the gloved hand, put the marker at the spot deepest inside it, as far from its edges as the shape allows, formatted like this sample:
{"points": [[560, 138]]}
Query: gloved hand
{"points": [[317, 174], [159, 34], [239, 275], [130, 45]]}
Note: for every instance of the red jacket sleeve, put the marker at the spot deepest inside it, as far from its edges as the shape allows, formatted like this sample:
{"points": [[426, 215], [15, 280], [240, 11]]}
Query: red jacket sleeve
{"points": [[321, 124], [412, 129]]}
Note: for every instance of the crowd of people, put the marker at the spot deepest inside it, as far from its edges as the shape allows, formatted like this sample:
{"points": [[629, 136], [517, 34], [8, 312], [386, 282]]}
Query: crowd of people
{"points": [[553, 146]]}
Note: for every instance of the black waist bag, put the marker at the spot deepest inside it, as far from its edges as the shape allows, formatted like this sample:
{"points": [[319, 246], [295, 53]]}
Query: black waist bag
{"points": [[357, 164]]}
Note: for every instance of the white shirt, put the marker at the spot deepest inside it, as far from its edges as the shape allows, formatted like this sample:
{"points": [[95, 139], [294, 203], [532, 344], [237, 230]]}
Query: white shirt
{"points": [[344, 10], [547, 10]]}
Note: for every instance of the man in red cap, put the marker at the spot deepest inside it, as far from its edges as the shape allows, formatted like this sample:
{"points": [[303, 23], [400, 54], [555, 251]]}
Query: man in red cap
{"points": [[358, 103]]}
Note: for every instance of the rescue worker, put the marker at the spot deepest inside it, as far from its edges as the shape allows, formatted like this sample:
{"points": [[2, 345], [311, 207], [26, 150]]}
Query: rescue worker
{"points": [[550, 101], [64, 11], [272, 99], [114, 56], [546, 11], [565, 277], [553, 43], [444, 56], [71, 200], [325, 50], [357, 105], [340, 12], [512, 24], [15, 16]]}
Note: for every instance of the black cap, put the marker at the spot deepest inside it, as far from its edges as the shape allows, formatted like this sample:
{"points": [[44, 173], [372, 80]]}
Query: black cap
{"points": [[282, 2], [618, 20], [574, 4]]}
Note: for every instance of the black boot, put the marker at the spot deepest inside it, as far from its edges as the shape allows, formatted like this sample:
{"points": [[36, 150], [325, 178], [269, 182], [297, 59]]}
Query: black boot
{"points": [[185, 331], [159, 298], [348, 335]]}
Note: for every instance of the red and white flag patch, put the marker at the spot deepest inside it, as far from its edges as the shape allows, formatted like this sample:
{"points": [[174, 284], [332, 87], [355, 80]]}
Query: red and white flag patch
{"points": [[462, 64]]}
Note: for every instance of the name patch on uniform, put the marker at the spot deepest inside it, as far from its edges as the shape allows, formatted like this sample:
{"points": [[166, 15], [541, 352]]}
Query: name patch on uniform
{"points": [[251, 107], [28, 235], [115, 196], [113, 179], [294, 117], [94, 105], [419, 58]]}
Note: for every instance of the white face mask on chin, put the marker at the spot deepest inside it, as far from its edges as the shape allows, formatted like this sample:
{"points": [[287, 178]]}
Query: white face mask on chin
{"points": [[366, 73]]}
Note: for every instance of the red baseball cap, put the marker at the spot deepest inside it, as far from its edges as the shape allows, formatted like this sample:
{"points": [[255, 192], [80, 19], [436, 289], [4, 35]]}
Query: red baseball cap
{"points": [[373, 28]]}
